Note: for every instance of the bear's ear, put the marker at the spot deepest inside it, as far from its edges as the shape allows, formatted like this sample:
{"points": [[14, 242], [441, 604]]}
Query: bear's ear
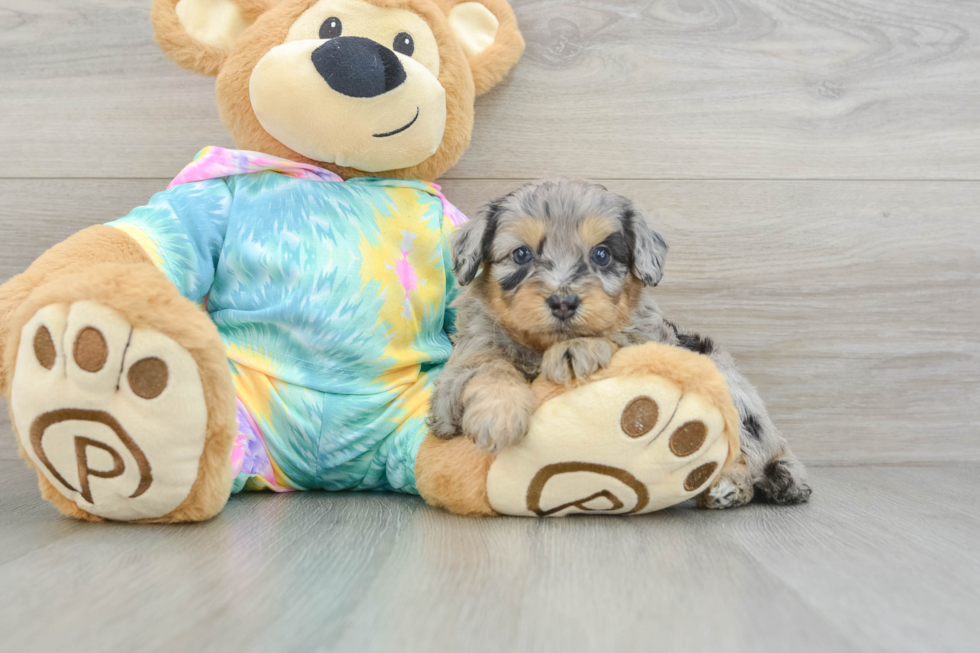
{"points": [[199, 34], [487, 30]]}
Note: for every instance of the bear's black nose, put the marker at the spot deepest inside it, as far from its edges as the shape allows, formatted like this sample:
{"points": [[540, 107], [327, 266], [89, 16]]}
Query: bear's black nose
{"points": [[358, 67], [563, 306]]}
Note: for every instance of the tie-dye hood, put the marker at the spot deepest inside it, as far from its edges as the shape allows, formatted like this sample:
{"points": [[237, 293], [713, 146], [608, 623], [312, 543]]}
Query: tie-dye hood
{"points": [[214, 162]]}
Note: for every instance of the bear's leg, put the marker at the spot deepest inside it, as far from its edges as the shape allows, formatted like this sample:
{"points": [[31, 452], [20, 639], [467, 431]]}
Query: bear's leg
{"points": [[120, 396], [452, 474]]}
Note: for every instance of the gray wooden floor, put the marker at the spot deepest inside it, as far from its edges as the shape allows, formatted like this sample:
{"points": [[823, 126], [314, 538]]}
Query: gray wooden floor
{"points": [[884, 558], [815, 167]]}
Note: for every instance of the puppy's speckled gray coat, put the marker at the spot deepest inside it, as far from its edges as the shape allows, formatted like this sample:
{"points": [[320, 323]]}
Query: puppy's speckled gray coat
{"points": [[507, 334]]}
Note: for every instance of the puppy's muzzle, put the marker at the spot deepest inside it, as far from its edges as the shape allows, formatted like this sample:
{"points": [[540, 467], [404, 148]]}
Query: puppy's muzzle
{"points": [[564, 307]]}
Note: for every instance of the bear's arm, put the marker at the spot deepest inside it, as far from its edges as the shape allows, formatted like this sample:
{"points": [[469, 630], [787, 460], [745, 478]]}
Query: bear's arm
{"points": [[182, 231]]}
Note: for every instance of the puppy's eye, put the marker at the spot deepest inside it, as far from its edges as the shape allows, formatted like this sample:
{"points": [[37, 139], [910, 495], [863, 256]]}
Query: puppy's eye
{"points": [[404, 44], [331, 28], [601, 256], [522, 255]]}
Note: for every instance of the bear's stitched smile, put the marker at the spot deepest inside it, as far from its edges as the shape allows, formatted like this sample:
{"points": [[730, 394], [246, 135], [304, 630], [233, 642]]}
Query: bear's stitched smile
{"points": [[400, 129]]}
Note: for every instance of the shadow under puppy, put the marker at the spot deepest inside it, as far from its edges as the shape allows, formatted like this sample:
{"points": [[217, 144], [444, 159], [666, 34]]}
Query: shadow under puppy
{"points": [[555, 278]]}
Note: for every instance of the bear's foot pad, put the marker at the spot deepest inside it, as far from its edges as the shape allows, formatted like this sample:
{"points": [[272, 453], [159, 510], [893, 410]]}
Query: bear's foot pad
{"points": [[113, 417], [624, 445]]}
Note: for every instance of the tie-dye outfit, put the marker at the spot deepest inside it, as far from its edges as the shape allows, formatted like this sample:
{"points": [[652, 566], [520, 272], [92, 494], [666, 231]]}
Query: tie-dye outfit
{"points": [[332, 301]]}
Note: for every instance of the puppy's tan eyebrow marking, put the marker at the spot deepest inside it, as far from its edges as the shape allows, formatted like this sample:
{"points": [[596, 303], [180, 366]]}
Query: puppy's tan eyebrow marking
{"points": [[530, 230], [593, 230]]}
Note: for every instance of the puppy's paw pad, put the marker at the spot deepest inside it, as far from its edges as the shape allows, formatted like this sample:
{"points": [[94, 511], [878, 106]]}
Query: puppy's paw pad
{"points": [[726, 492], [722, 494], [114, 417]]}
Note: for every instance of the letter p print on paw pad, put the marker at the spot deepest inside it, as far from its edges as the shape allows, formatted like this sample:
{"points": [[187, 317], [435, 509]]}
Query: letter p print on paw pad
{"points": [[114, 417]]}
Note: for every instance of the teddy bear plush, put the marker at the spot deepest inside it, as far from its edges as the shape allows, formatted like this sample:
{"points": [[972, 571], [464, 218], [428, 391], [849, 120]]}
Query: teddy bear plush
{"points": [[276, 317]]}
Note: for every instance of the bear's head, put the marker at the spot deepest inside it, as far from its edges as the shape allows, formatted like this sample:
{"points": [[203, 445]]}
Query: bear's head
{"points": [[360, 87]]}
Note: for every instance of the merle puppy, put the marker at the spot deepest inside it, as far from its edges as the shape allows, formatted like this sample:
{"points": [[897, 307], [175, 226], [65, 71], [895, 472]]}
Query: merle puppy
{"points": [[556, 277]]}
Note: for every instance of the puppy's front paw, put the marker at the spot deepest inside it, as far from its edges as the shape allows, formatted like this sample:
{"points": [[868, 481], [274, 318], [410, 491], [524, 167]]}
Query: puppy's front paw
{"points": [[496, 412], [576, 359], [445, 410]]}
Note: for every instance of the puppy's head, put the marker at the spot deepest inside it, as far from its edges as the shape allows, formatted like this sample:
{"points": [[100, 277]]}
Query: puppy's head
{"points": [[559, 259]]}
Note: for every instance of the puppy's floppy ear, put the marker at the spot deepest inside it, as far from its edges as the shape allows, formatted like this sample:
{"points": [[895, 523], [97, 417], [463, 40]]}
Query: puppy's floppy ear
{"points": [[472, 242], [199, 34], [647, 248], [487, 31]]}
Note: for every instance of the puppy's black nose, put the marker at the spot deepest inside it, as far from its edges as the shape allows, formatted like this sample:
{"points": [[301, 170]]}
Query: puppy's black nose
{"points": [[358, 67], [563, 306]]}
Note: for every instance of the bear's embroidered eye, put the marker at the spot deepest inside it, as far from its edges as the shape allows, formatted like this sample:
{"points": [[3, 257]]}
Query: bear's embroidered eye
{"points": [[331, 28], [522, 255], [404, 44], [601, 256]]}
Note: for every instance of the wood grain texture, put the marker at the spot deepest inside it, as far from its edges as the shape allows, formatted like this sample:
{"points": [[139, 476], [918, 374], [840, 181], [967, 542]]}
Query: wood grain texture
{"points": [[8, 445], [882, 559], [607, 88], [851, 305]]}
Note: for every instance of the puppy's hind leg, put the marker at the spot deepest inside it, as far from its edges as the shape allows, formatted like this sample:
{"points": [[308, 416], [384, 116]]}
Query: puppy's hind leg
{"points": [[783, 480], [776, 473], [732, 488]]}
